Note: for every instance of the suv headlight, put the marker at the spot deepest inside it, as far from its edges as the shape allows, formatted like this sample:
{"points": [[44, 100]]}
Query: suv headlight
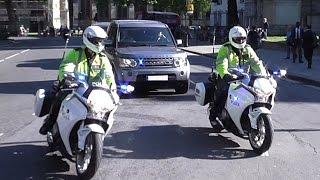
{"points": [[127, 62], [179, 61]]}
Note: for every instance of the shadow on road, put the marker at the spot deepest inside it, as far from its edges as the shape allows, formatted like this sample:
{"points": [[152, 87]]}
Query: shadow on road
{"points": [[160, 96], [29, 161], [297, 130], [47, 64], [170, 141], [200, 60], [24, 87], [41, 43]]}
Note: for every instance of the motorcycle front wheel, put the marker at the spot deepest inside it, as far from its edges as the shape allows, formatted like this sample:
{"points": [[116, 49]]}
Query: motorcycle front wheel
{"points": [[261, 138], [88, 160]]}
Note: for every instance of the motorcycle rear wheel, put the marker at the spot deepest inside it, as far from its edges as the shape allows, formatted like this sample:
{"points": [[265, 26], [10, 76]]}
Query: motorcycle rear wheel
{"points": [[261, 138], [88, 160]]}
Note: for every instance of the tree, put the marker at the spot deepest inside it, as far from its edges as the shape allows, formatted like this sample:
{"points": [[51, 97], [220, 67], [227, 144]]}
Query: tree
{"points": [[102, 9], [232, 17], [12, 17], [70, 7], [202, 7]]}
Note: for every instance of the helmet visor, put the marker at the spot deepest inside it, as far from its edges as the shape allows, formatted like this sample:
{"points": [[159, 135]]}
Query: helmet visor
{"points": [[96, 40], [239, 40]]}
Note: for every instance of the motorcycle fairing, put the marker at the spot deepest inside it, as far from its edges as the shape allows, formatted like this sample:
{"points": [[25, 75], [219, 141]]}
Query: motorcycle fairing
{"points": [[71, 111], [255, 113], [237, 101]]}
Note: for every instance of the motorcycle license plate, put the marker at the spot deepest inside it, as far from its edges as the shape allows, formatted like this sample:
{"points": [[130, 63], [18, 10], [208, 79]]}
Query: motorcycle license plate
{"points": [[158, 78]]}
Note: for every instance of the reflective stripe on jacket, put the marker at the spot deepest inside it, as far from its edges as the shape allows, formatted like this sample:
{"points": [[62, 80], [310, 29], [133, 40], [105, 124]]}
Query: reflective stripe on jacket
{"points": [[100, 69], [227, 58]]}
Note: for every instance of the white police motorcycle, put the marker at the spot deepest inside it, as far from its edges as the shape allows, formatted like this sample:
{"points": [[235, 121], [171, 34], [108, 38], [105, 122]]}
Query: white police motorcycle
{"points": [[248, 107], [85, 118]]}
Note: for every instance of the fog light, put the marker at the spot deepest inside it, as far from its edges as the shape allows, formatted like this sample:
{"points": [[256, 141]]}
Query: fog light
{"points": [[181, 73]]}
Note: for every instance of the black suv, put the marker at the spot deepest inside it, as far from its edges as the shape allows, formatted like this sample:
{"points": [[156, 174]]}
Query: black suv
{"points": [[144, 53]]}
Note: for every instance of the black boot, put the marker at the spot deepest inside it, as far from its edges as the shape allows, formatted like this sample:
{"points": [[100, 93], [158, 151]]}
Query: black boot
{"points": [[46, 126], [213, 114]]}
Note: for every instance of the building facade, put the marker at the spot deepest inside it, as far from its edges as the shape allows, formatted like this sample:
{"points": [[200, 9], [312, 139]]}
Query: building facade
{"points": [[219, 10], [31, 14], [37, 14], [280, 13]]}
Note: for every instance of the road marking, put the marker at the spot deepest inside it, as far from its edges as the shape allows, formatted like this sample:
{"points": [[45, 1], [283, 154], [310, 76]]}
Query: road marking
{"points": [[2, 60], [25, 51], [1, 134], [11, 56], [265, 154]]}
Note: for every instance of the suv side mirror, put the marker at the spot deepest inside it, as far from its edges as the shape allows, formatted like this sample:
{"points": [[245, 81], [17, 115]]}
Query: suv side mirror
{"points": [[179, 42]]}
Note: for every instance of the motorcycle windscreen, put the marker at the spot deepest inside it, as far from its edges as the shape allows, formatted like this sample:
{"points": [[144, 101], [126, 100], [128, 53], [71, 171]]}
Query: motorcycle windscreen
{"points": [[264, 85], [99, 103]]}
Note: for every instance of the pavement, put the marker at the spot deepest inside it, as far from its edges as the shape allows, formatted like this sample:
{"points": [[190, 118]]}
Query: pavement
{"points": [[273, 59]]}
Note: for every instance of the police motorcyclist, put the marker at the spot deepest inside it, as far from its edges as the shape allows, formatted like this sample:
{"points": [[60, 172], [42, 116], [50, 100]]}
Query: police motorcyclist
{"points": [[233, 54], [89, 60]]}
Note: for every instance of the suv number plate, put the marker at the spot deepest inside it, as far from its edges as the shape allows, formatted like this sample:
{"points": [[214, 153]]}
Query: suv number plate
{"points": [[158, 78]]}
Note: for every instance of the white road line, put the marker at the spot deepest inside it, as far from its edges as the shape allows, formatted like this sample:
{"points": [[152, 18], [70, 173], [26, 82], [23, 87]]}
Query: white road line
{"points": [[11, 56], [1, 134], [25, 51], [2, 60]]}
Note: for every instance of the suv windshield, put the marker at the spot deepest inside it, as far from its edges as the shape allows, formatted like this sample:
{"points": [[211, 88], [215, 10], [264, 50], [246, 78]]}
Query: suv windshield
{"points": [[144, 36]]}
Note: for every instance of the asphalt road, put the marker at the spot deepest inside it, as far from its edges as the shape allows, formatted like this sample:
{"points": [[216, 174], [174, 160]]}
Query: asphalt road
{"points": [[158, 136]]}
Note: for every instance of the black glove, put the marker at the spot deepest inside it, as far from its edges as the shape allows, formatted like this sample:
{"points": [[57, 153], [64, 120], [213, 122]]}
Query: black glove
{"points": [[230, 77], [69, 83], [213, 77]]}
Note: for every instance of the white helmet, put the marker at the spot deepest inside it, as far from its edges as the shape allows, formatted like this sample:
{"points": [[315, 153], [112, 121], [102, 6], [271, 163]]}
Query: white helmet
{"points": [[238, 37], [93, 38]]}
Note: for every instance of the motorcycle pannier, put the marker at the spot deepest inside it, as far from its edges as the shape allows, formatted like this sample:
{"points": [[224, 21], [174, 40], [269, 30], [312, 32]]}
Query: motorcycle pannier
{"points": [[42, 103], [204, 93]]}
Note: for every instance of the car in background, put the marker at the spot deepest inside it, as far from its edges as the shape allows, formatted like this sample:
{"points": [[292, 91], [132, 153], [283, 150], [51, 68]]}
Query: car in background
{"points": [[103, 25], [144, 53], [170, 18]]}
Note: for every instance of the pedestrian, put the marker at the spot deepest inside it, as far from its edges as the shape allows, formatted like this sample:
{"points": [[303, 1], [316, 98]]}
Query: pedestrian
{"points": [[22, 30], [265, 28], [296, 38], [254, 38], [309, 43], [288, 41]]}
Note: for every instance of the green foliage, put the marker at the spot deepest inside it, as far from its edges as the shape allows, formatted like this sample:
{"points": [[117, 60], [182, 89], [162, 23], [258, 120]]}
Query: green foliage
{"points": [[135, 2], [201, 7]]}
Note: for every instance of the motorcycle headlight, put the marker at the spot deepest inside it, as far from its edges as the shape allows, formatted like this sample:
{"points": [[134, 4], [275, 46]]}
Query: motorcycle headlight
{"points": [[179, 61], [99, 103], [260, 96], [127, 62]]}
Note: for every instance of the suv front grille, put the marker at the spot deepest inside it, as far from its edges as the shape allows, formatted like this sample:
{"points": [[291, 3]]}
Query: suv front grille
{"points": [[157, 62]]}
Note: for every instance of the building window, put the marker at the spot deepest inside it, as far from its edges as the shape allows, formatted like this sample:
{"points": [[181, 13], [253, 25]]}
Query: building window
{"points": [[218, 2], [217, 18]]}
